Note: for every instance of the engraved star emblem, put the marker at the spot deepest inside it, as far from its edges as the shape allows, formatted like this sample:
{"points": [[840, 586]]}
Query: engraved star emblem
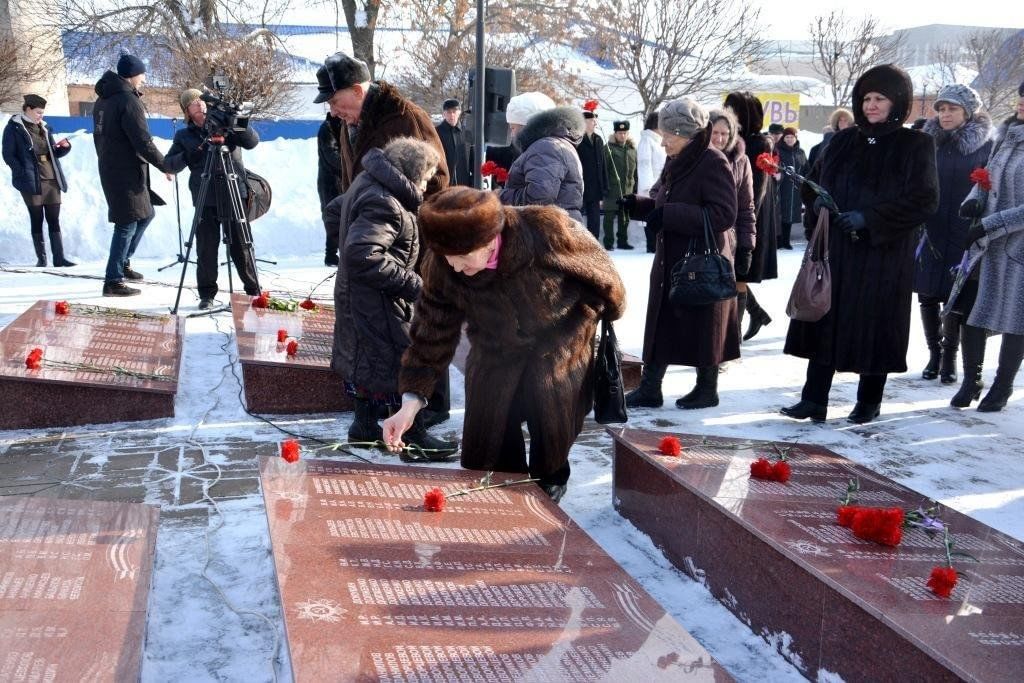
{"points": [[320, 609], [808, 548]]}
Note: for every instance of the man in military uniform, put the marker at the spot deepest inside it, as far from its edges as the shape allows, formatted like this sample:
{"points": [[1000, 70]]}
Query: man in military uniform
{"points": [[621, 165]]}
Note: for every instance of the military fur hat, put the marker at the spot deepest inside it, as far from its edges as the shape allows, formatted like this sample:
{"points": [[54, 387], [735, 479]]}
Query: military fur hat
{"points": [[620, 126], [460, 220], [342, 72], [776, 129]]}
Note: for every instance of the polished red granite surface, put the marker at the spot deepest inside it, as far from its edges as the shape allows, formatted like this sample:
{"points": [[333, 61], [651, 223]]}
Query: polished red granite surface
{"points": [[276, 382], [773, 553], [501, 585], [74, 581], [100, 364]]}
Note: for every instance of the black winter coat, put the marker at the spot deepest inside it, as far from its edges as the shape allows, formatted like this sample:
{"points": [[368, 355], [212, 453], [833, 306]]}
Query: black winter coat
{"points": [[595, 172], [764, 263], [328, 169], [889, 176], [124, 150], [456, 153], [698, 178], [376, 285], [188, 150], [957, 153], [790, 205], [19, 154]]}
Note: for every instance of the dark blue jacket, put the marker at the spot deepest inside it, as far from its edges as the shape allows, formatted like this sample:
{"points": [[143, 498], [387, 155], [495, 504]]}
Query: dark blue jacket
{"points": [[21, 157], [189, 151]]}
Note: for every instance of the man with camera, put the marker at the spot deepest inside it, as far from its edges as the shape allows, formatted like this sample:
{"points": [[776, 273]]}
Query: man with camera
{"points": [[200, 137]]}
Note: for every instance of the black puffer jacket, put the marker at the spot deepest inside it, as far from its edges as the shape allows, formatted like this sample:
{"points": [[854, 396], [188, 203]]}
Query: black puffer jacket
{"points": [[188, 150], [376, 284], [124, 150], [548, 172]]}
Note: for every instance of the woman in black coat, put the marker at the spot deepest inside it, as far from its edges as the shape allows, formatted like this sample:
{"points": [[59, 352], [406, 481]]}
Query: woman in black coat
{"points": [[763, 265], [34, 158], [697, 181], [377, 284], [790, 205], [963, 141], [882, 177]]}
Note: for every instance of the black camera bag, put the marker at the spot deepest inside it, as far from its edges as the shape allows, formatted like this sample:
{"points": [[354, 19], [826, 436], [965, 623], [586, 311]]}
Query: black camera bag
{"points": [[258, 201]]}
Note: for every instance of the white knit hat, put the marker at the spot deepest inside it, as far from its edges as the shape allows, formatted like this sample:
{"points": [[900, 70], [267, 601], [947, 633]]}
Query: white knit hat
{"points": [[524, 105]]}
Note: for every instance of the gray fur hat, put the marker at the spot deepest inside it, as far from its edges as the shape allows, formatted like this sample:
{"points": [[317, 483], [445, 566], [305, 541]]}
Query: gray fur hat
{"points": [[684, 117], [961, 95]]}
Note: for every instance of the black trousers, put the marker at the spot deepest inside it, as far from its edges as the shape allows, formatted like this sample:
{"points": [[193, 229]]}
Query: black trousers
{"points": [[592, 212], [208, 240], [819, 383]]}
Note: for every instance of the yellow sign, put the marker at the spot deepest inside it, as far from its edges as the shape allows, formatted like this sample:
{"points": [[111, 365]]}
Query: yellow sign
{"points": [[781, 108]]}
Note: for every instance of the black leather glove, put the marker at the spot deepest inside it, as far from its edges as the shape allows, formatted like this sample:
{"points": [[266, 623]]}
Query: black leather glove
{"points": [[976, 232], [971, 208], [653, 219], [626, 202], [744, 257], [850, 222]]}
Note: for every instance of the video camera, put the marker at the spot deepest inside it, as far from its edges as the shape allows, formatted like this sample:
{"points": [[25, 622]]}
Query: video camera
{"points": [[222, 115]]}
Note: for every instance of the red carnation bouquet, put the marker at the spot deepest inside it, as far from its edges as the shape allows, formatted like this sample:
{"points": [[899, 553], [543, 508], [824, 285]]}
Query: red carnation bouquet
{"points": [[767, 162], [982, 179], [489, 168]]}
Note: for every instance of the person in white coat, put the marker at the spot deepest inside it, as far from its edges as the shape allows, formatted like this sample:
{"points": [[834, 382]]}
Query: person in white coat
{"points": [[650, 158]]}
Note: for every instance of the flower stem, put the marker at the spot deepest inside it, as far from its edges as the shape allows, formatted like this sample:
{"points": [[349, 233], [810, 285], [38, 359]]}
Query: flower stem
{"points": [[484, 487]]}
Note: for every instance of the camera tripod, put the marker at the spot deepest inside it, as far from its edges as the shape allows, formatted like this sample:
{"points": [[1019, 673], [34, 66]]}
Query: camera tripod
{"points": [[180, 258], [219, 165]]}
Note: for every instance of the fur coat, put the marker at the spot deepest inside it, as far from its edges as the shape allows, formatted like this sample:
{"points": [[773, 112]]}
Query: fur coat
{"points": [[1000, 252], [790, 206], [697, 179], [957, 153], [548, 172], [764, 264], [376, 285], [531, 325], [387, 115], [746, 226]]}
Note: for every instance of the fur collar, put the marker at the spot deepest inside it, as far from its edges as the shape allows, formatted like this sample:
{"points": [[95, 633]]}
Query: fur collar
{"points": [[560, 122], [968, 138], [384, 172], [1012, 126], [383, 102], [734, 151]]}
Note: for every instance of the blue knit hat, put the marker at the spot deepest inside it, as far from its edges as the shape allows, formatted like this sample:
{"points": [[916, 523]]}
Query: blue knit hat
{"points": [[129, 66]]}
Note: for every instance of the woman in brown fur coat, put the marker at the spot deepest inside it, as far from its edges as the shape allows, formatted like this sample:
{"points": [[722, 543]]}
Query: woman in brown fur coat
{"points": [[531, 285]]}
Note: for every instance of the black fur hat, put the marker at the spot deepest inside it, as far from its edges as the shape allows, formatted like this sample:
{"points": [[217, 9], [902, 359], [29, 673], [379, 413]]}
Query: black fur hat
{"points": [[891, 81], [1020, 90], [748, 110], [342, 72], [451, 103]]}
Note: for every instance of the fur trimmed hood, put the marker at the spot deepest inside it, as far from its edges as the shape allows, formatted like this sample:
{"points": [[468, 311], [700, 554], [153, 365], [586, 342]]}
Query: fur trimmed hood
{"points": [[384, 172], [968, 138], [560, 122]]}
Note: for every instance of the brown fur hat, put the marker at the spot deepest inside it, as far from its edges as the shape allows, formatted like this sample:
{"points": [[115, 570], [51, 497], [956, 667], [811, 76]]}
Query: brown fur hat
{"points": [[460, 220]]}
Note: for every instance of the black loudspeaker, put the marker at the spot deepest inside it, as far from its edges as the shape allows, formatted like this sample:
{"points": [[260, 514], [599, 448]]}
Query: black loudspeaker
{"points": [[499, 87]]}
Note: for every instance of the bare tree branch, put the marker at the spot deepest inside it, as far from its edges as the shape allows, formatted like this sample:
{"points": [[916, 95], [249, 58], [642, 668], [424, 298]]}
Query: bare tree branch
{"points": [[844, 48], [999, 61]]}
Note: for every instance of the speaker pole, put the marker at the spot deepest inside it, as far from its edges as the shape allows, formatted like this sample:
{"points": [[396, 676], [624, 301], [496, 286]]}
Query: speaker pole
{"points": [[479, 113]]}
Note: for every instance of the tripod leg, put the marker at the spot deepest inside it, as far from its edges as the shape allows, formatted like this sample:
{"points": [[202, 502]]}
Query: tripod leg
{"points": [[204, 188]]}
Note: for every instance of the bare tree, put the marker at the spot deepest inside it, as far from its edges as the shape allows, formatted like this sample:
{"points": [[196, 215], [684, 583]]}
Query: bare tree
{"points": [[30, 54], [520, 36], [361, 17], [844, 48], [947, 58], [999, 60], [10, 74], [670, 48]]}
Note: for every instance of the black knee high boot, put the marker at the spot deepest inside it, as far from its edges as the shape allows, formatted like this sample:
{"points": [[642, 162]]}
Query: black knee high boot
{"points": [[40, 245], [950, 343], [932, 336], [648, 394], [741, 307], [705, 394], [57, 247], [1011, 353], [972, 341]]}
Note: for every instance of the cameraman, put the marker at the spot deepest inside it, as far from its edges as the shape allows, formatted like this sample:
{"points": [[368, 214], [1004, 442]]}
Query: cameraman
{"points": [[189, 149]]}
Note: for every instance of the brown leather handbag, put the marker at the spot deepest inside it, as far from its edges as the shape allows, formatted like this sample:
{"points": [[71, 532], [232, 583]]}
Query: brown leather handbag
{"points": [[811, 297]]}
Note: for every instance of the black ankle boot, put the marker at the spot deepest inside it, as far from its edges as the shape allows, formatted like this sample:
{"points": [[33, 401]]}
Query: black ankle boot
{"points": [[364, 427], [40, 246], [972, 341], [648, 394], [758, 317], [931, 323], [864, 412], [1010, 355], [422, 447], [705, 394], [806, 409], [57, 247]]}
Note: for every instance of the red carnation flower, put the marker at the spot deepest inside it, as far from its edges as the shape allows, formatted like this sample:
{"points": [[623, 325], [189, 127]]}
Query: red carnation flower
{"points": [[761, 469], [845, 515], [670, 446], [34, 360], [980, 177], [282, 336], [260, 302], [781, 471], [292, 348], [433, 500], [766, 163], [942, 581], [501, 175], [488, 168], [62, 307], [290, 450], [308, 305], [590, 105], [880, 525]]}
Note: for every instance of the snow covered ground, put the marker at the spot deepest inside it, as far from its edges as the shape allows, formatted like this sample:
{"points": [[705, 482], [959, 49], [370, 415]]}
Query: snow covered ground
{"points": [[969, 461]]}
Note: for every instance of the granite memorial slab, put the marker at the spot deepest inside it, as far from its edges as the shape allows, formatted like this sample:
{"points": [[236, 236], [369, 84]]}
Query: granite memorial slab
{"points": [[501, 585], [276, 382], [74, 584], [831, 603], [98, 364]]}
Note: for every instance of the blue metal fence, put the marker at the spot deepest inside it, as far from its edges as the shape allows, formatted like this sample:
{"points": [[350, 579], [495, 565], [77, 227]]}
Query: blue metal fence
{"points": [[289, 129]]}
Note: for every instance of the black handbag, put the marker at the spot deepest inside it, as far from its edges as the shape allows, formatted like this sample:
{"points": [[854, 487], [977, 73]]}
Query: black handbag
{"points": [[702, 277], [609, 396], [258, 201]]}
